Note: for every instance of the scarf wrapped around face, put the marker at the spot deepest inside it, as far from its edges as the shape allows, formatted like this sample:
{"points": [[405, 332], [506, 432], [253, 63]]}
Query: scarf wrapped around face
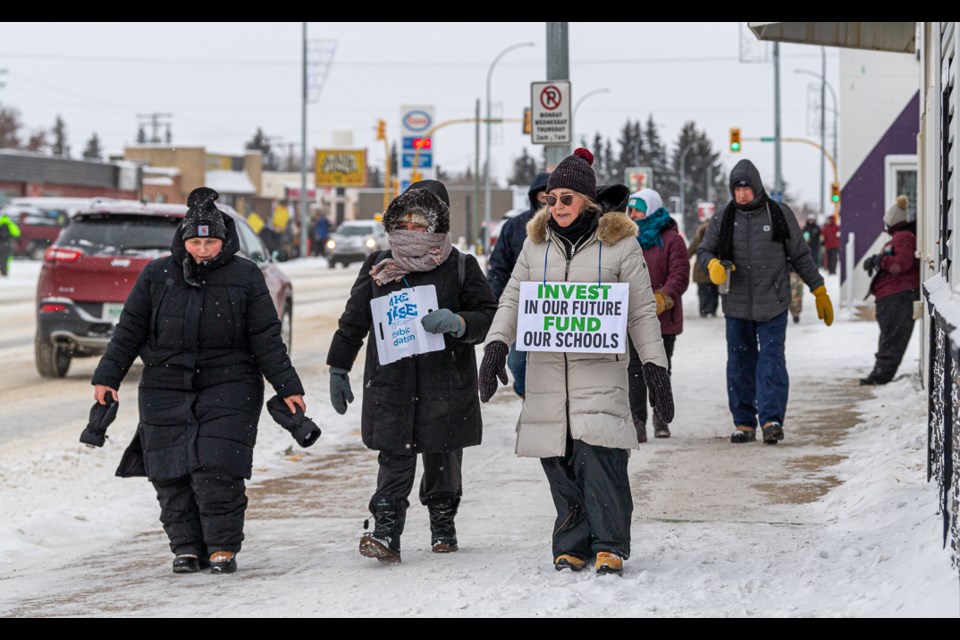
{"points": [[648, 229], [412, 251]]}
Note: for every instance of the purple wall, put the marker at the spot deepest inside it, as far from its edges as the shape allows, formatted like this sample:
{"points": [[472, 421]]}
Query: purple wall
{"points": [[862, 197]]}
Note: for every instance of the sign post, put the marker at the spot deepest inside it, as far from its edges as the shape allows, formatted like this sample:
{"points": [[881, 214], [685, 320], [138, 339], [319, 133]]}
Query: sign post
{"points": [[550, 112]]}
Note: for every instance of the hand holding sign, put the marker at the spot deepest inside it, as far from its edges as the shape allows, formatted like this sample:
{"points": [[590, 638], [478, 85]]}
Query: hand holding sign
{"points": [[444, 321], [492, 367]]}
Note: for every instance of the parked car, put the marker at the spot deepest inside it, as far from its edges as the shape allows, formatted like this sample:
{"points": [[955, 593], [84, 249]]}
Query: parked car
{"points": [[40, 220], [89, 271], [354, 240]]}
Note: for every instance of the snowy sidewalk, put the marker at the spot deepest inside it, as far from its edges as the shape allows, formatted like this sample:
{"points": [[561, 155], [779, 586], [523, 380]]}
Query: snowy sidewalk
{"points": [[837, 520]]}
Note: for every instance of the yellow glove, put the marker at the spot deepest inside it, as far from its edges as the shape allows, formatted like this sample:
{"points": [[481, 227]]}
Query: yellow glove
{"points": [[824, 306], [664, 302], [718, 274]]}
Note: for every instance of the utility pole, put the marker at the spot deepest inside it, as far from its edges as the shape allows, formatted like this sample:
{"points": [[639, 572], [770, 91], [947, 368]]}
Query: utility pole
{"points": [[558, 68], [777, 171], [155, 120]]}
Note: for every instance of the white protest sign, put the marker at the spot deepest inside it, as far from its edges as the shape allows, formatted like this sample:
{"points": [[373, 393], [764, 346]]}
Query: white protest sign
{"points": [[578, 317], [396, 323]]}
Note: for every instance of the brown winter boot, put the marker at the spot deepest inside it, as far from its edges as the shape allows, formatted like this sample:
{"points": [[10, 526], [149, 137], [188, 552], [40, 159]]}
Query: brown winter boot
{"points": [[223, 562]]}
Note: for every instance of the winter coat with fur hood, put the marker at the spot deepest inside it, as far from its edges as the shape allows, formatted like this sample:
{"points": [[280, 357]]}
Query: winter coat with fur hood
{"points": [[583, 394]]}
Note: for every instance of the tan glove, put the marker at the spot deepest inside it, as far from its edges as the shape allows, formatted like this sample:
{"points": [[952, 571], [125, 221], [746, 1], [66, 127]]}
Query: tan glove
{"points": [[664, 302]]}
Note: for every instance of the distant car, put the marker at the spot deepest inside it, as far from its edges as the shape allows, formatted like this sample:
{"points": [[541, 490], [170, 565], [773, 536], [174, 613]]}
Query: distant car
{"points": [[496, 226], [89, 271], [354, 240]]}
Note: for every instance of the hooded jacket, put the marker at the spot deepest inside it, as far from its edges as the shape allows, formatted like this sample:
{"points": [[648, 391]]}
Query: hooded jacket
{"points": [[760, 285], [583, 394], [510, 243], [207, 334]]}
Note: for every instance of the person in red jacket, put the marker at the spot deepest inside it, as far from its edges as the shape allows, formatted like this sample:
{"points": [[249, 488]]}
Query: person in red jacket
{"points": [[665, 253], [896, 287], [831, 243]]}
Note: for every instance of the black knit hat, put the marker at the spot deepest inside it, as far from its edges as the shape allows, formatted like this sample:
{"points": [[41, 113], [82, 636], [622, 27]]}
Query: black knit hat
{"points": [[203, 219], [575, 172], [425, 202]]}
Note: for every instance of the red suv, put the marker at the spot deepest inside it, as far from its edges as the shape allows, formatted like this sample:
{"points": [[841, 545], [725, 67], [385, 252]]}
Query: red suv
{"points": [[91, 268]]}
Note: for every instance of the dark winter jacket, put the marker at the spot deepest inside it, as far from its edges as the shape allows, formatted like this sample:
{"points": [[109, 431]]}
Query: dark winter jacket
{"points": [[899, 266], [811, 233], [669, 269], [699, 275], [207, 334], [429, 402], [510, 243], [760, 285]]}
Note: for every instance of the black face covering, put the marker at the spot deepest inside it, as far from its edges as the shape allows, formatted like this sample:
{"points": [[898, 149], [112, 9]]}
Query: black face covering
{"points": [[577, 229]]}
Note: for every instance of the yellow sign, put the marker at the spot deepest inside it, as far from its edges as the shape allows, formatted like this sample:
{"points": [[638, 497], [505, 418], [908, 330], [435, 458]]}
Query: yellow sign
{"points": [[216, 161], [281, 216], [255, 221], [341, 168]]}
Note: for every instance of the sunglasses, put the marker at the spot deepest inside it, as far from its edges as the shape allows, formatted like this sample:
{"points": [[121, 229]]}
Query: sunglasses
{"points": [[566, 199]]}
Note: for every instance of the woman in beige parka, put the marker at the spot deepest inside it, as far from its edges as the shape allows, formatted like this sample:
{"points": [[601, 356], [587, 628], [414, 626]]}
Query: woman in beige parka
{"points": [[576, 412]]}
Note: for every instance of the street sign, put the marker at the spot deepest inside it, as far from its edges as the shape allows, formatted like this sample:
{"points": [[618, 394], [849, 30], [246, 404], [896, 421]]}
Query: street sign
{"points": [[425, 161], [638, 178], [550, 112], [415, 122]]}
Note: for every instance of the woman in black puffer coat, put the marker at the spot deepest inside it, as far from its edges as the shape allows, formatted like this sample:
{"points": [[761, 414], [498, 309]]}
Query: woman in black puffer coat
{"points": [[204, 324], [422, 404]]}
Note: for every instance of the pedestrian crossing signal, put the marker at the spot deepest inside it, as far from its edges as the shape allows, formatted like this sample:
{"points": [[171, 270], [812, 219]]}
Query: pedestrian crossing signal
{"points": [[735, 139]]}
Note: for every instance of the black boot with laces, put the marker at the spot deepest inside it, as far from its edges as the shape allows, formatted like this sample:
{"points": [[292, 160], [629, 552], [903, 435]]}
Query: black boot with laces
{"points": [[443, 533], [383, 543]]}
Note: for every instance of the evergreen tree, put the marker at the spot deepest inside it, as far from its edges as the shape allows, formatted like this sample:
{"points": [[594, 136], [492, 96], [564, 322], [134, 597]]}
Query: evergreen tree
{"points": [[631, 149], [524, 169], [93, 151], [260, 142], [59, 146], [700, 159], [141, 135], [10, 128], [664, 179], [610, 172]]}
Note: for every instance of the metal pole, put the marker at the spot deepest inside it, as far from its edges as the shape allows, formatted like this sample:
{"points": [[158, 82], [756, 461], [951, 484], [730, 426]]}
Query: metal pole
{"points": [[823, 128], [486, 164], [777, 172], [573, 117], [303, 151], [558, 68], [683, 191], [851, 264], [476, 178]]}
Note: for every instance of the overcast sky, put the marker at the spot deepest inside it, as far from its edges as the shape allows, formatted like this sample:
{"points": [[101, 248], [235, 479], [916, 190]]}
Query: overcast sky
{"points": [[220, 81]]}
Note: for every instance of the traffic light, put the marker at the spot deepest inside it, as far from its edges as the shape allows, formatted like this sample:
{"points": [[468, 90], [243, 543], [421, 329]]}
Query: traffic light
{"points": [[735, 139], [527, 125], [834, 193], [381, 129]]}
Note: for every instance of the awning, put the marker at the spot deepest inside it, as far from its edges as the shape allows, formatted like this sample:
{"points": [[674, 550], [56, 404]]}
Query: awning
{"points": [[232, 182], [898, 37]]}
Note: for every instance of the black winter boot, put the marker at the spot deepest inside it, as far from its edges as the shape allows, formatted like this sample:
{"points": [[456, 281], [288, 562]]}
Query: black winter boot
{"points": [[443, 533], [383, 543]]}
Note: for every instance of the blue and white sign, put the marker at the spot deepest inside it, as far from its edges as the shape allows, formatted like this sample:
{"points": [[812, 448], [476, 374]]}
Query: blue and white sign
{"points": [[425, 161], [416, 121], [397, 327]]}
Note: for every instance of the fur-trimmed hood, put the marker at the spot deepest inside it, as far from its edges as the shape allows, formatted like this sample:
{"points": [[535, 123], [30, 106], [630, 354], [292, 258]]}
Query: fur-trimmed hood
{"points": [[613, 227]]}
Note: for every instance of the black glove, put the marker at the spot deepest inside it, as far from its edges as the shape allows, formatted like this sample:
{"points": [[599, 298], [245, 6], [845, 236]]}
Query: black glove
{"points": [[340, 393], [101, 415], [658, 388], [872, 263], [493, 366], [304, 430]]}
